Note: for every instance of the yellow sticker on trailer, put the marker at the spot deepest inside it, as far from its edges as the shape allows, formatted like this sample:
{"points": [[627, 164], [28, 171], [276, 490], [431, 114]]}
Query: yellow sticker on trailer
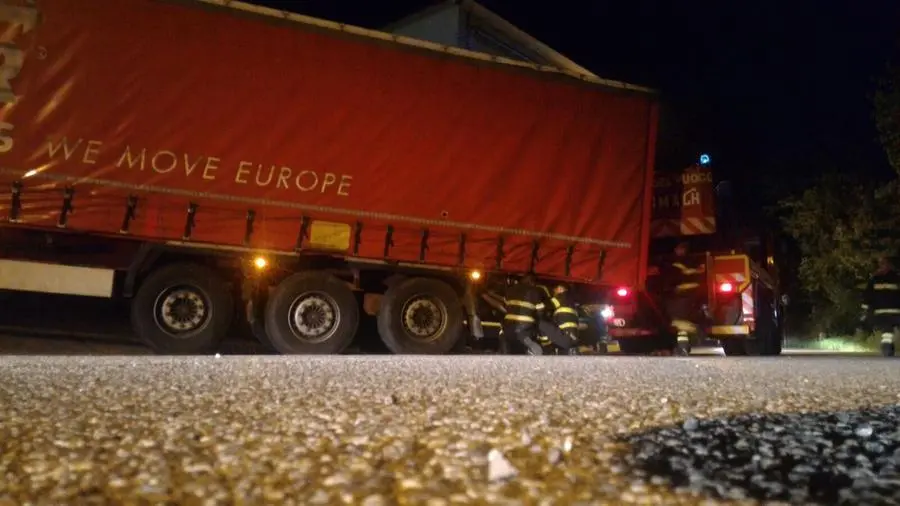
{"points": [[329, 235]]}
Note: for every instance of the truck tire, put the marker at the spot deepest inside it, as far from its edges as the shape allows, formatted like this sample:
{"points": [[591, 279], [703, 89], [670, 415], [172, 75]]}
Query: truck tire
{"points": [[311, 313], [775, 346], [770, 345], [182, 309], [762, 345], [421, 316], [735, 347], [773, 340]]}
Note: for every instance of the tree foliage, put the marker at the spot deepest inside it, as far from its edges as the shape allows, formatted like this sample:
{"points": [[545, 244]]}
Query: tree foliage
{"points": [[841, 228], [887, 114]]}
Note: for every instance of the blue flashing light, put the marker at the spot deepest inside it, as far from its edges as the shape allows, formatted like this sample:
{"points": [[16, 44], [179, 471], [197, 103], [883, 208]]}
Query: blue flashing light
{"points": [[704, 159]]}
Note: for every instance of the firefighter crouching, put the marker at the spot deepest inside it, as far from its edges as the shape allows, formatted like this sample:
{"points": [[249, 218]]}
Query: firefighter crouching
{"points": [[565, 316], [881, 304], [684, 280], [523, 305]]}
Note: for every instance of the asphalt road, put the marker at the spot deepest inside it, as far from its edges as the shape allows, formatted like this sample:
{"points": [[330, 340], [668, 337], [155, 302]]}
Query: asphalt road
{"points": [[377, 430]]}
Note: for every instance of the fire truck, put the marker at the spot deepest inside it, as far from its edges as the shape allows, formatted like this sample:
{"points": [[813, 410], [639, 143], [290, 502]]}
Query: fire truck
{"points": [[741, 307]]}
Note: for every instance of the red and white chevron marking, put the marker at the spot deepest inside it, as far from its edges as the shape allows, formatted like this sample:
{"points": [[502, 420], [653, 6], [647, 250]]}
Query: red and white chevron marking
{"points": [[684, 226], [735, 278], [748, 308], [698, 226], [664, 228]]}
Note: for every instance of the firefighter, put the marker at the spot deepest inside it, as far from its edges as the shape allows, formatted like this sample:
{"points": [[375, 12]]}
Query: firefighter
{"points": [[881, 303], [545, 327], [551, 338], [565, 316], [683, 279], [523, 307]]}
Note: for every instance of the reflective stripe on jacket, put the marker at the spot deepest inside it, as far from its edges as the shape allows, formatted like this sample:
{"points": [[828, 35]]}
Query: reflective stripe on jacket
{"points": [[522, 303], [882, 294], [564, 314], [683, 274]]}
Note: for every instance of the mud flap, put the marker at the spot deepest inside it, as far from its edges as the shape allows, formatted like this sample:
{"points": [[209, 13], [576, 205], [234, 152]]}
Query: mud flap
{"points": [[475, 327]]}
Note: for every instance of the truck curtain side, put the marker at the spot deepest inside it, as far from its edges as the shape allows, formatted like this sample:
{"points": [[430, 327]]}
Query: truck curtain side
{"points": [[212, 131]]}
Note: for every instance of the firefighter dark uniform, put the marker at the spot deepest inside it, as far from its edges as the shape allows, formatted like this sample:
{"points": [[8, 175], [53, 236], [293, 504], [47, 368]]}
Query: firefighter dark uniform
{"points": [[549, 334], [684, 279], [881, 304], [523, 305], [565, 316], [545, 327]]}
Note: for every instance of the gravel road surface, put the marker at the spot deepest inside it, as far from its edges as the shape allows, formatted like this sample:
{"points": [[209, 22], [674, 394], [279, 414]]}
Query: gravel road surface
{"points": [[379, 430]]}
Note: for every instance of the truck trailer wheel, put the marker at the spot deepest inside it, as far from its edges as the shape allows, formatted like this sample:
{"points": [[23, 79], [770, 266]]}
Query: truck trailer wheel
{"points": [[182, 309], [311, 313], [420, 316]]}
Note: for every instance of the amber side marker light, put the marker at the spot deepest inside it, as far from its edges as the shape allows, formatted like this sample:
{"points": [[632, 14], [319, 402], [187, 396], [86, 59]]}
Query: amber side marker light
{"points": [[260, 263], [475, 275]]}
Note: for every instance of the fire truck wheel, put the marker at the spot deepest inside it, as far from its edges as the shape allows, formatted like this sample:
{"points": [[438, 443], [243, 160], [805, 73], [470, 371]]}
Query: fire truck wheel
{"points": [[420, 316], [734, 347], [775, 345], [755, 345], [764, 344], [182, 309], [311, 313], [769, 345]]}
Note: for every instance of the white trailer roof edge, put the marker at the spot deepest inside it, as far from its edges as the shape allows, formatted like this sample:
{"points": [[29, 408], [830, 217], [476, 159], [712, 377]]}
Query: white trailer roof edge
{"points": [[409, 41]]}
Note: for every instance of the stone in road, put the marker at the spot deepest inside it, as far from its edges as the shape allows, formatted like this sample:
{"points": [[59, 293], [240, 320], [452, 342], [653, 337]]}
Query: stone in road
{"points": [[448, 430]]}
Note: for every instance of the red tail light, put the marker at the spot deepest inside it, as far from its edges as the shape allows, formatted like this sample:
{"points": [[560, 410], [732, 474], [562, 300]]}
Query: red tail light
{"points": [[726, 287], [622, 292]]}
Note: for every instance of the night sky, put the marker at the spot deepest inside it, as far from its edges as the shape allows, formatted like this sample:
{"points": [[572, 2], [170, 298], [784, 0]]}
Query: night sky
{"points": [[777, 91]]}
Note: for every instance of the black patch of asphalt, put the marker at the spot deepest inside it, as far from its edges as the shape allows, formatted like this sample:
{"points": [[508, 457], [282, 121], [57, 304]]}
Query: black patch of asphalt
{"points": [[845, 457]]}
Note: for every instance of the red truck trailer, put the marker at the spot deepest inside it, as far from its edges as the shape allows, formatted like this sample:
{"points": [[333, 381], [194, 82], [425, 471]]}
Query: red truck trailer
{"points": [[209, 159]]}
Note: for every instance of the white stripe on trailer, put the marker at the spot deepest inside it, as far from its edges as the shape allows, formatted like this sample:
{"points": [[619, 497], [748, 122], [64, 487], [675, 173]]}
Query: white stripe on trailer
{"points": [[54, 278]]}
